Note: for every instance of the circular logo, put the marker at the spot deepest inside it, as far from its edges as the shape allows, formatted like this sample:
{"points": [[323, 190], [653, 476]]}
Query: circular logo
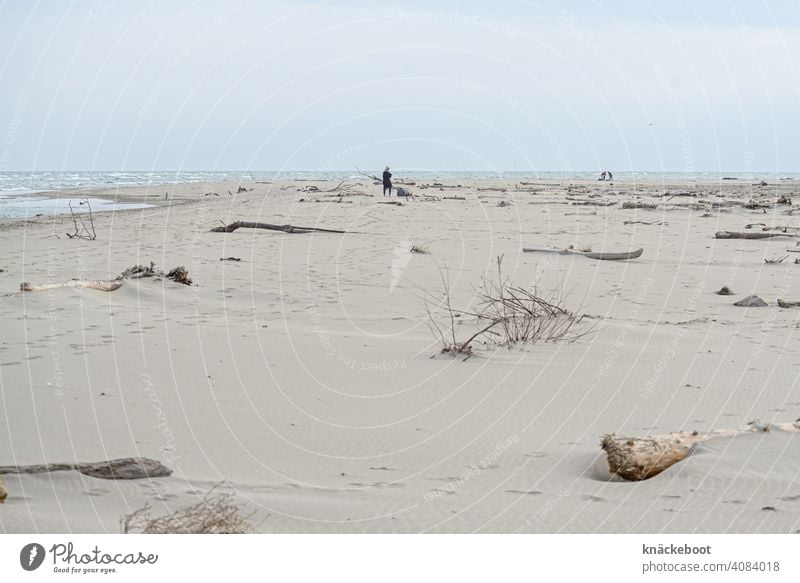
{"points": [[31, 556]]}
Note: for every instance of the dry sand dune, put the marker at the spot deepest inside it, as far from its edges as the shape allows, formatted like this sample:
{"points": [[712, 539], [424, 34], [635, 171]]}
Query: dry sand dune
{"points": [[302, 375]]}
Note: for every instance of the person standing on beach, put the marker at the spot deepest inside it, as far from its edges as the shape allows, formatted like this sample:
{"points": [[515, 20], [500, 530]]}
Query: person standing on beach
{"points": [[387, 181]]}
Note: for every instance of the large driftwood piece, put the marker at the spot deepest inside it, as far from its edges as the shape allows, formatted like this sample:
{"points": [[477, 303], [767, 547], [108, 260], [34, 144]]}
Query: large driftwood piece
{"points": [[639, 205], [756, 235], [270, 227], [640, 458], [788, 303], [621, 256], [593, 202], [178, 275], [116, 469], [99, 285]]}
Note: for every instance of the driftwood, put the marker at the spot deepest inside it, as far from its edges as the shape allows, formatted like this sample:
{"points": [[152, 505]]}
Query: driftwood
{"points": [[639, 205], [765, 227], [99, 285], [283, 228], [3, 491], [338, 200], [344, 186], [84, 230], [645, 223], [621, 256], [669, 195], [640, 458], [756, 235], [117, 469], [788, 304], [370, 176], [594, 202], [178, 275]]}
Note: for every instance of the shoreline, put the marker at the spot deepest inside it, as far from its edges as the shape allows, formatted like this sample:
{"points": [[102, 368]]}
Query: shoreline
{"points": [[146, 194]]}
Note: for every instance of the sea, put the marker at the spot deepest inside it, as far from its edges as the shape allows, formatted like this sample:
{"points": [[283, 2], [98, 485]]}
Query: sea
{"points": [[26, 194]]}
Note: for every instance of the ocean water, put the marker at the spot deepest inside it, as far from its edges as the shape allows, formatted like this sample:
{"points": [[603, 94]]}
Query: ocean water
{"points": [[16, 187]]}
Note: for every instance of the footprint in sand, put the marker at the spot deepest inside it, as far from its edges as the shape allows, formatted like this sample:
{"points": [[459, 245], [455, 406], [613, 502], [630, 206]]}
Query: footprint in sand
{"points": [[97, 492]]}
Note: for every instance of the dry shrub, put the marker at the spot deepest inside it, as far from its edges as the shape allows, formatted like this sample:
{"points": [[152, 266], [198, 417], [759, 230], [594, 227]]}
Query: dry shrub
{"points": [[525, 315], [507, 315], [445, 332], [214, 514]]}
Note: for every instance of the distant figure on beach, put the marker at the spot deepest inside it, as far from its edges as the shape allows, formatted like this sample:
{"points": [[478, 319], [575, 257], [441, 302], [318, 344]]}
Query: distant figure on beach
{"points": [[387, 181], [603, 175], [609, 176]]}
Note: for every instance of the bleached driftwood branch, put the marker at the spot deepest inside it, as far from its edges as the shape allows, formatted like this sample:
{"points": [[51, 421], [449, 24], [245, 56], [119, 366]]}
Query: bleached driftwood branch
{"points": [[640, 458], [270, 227], [756, 235], [116, 469], [99, 285], [621, 256], [178, 275]]}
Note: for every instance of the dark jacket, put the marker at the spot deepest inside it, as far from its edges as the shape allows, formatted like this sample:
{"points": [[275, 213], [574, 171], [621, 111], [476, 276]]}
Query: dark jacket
{"points": [[387, 179]]}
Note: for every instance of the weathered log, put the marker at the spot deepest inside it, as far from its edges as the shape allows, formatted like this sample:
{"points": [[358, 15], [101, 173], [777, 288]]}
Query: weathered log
{"points": [[640, 458], [788, 304], [178, 274], [116, 469], [756, 235], [594, 203], [283, 228], [639, 205], [603, 256], [99, 285]]}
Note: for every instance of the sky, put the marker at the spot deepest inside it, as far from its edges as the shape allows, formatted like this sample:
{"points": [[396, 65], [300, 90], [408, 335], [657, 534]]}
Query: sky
{"points": [[435, 85]]}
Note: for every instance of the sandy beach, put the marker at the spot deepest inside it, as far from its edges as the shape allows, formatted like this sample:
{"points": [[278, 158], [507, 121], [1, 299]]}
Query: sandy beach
{"points": [[304, 377]]}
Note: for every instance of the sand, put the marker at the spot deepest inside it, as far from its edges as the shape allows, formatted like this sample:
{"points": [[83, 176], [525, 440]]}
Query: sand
{"points": [[305, 380]]}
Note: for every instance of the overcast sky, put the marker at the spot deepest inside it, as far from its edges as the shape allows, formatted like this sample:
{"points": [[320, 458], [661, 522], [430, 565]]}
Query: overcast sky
{"points": [[271, 85]]}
